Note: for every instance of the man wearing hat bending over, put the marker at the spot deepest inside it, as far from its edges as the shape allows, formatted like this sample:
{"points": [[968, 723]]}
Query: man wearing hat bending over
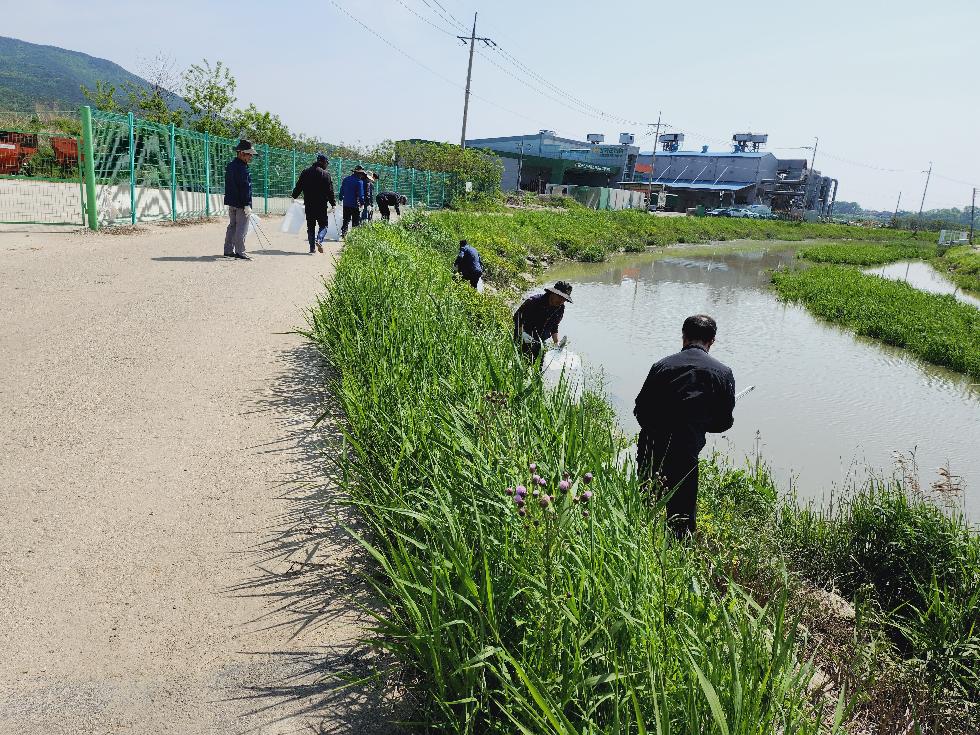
{"points": [[352, 194], [388, 199], [316, 186], [684, 396], [238, 197], [539, 316]]}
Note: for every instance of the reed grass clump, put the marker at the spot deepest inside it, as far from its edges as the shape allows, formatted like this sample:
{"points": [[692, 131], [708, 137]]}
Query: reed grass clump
{"points": [[963, 266], [934, 327], [567, 611]]}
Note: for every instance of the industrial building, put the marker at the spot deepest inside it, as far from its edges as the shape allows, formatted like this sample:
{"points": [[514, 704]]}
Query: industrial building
{"points": [[743, 176], [531, 162]]}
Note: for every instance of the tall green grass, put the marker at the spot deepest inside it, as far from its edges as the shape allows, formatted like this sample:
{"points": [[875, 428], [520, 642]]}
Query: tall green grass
{"points": [[866, 253], [936, 328], [918, 568], [581, 617]]}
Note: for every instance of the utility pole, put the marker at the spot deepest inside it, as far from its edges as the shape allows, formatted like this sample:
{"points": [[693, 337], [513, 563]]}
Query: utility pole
{"points": [[897, 205], [653, 163], [973, 212], [469, 74], [925, 188], [813, 159]]}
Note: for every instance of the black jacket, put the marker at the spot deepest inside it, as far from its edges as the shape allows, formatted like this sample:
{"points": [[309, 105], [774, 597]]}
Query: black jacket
{"points": [[317, 188], [389, 199], [684, 396], [538, 317], [238, 184]]}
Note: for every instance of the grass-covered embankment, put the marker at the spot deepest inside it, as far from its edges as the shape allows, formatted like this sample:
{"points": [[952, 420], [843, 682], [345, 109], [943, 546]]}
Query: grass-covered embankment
{"points": [[505, 239], [572, 613], [936, 328], [914, 571], [963, 266], [866, 253]]}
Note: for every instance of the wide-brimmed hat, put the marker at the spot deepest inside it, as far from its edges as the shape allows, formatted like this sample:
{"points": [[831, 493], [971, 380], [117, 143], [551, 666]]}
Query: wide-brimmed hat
{"points": [[563, 289], [371, 175], [245, 146], [358, 168]]}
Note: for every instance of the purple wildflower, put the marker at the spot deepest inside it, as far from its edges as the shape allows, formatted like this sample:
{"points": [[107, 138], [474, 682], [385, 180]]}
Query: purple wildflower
{"points": [[586, 496], [519, 501], [542, 482], [521, 490], [522, 512], [545, 501], [533, 467], [536, 492], [564, 485], [509, 491], [587, 478], [585, 514]]}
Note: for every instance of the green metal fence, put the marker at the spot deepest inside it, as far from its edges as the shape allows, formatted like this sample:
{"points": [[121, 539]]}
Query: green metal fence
{"points": [[40, 179], [144, 171]]}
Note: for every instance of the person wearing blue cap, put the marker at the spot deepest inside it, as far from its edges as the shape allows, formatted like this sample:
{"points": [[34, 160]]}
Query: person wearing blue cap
{"points": [[316, 186]]}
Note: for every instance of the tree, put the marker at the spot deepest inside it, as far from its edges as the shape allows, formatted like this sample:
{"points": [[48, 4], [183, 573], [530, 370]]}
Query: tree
{"points": [[261, 127], [103, 97], [483, 168], [210, 93]]}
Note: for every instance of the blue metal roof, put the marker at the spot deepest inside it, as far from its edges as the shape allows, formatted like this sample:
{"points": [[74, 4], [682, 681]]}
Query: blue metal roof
{"points": [[708, 185]]}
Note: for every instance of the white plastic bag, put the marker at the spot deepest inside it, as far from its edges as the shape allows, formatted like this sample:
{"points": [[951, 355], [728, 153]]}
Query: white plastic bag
{"points": [[561, 363], [479, 285], [333, 226], [294, 218]]}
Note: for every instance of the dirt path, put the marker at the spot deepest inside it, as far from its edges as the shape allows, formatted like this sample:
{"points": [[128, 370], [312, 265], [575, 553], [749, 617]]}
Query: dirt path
{"points": [[157, 464]]}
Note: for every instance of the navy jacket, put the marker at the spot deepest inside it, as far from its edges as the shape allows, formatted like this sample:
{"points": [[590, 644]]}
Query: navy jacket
{"points": [[468, 262], [238, 184], [368, 193], [538, 317], [684, 396], [317, 188], [352, 191]]}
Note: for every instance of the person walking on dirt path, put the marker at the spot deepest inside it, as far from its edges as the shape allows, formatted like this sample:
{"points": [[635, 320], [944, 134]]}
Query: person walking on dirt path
{"points": [[316, 186], [468, 263], [367, 213], [539, 316], [238, 198], [352, 194], [684, 396], [388, 199]]}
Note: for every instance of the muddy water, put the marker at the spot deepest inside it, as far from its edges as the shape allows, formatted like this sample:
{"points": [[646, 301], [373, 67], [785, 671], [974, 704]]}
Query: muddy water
{"points": [[923, 277], [829, 407]]}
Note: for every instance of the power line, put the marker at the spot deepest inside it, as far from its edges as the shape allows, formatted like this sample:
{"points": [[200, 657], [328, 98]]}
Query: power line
{"points": [[414, 60]]}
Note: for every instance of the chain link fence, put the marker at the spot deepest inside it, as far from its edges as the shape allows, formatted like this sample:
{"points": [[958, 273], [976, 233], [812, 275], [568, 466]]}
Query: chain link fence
{"points": [[145, 172]]}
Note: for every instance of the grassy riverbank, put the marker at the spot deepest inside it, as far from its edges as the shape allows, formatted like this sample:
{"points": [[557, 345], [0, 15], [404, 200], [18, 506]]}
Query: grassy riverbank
{"points": [[505, 239], [936, 328], [866, 253], [584, 616], [580, 617], [963, 266]]}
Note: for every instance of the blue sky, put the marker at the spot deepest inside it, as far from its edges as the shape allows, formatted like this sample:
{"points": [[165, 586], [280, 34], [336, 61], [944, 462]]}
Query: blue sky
{"points": [[884, 84]]}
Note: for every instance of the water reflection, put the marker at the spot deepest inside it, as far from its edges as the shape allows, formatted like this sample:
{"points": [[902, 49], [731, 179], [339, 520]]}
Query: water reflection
{"points": [[828, 404], [923, 277]]}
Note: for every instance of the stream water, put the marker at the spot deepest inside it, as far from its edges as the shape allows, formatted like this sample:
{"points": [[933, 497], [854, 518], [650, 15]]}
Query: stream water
{"points": [[829, 407], [923, 277]]}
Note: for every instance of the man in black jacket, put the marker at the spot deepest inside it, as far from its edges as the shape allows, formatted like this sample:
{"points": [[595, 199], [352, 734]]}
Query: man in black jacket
{"points": [[317, 188], [238, 198], [539, 316], [388, 199], [684, 396]]}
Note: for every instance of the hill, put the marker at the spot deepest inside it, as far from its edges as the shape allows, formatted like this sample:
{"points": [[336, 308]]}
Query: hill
{"points": [[31, 74]]}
